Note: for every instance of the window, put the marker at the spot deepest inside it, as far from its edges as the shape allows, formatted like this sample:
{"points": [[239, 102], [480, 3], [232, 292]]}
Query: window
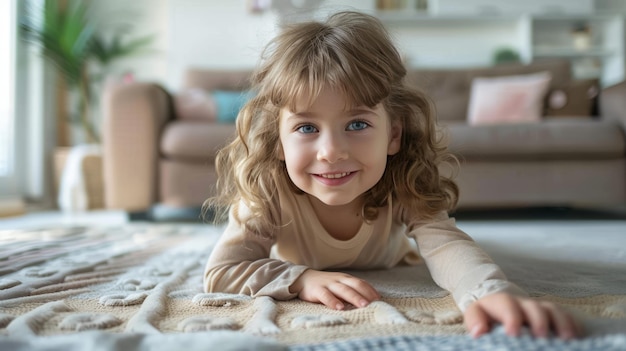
{"points": [[7, 98]]}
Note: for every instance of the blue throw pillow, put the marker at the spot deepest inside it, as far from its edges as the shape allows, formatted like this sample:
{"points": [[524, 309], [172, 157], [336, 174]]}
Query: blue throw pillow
{"points": [[229, 103]]}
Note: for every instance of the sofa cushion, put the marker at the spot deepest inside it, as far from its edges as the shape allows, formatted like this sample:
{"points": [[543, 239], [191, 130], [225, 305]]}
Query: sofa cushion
{"points": [[576, 98], [195, 105], [453, 85], [195, 140], [555, 139], [508, 99], [229, 103], [217, 79], [217, 105]]}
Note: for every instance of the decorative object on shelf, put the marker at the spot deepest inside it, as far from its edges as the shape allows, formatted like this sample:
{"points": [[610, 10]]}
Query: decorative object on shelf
{"points": [[505, 55], [391, 4], [581, 36], [258, 6]]}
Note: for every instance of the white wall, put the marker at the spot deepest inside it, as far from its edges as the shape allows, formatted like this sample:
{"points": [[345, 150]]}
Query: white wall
{"points": [[147, 18], [224, 34], [215, 33], [201, 33]]}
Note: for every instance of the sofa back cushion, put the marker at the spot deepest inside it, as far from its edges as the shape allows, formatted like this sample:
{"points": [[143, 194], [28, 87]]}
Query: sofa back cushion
{"points": [[212, 95], [450, 88], [215, 79]]}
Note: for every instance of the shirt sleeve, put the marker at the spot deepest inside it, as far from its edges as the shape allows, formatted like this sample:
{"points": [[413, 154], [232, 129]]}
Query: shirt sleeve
{"points": [[456, 263], [240, 263]]}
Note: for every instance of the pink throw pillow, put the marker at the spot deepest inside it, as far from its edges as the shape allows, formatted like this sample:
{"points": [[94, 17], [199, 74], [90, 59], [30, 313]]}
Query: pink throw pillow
{"points": [[508, 99]]}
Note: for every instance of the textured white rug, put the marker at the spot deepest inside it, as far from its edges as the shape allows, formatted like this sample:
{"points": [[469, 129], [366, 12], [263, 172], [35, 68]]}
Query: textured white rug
{"points": [[140, 284]]}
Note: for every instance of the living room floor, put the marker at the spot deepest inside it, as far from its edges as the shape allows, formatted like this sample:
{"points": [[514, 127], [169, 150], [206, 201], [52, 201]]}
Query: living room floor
{"points": [[557, 217]]}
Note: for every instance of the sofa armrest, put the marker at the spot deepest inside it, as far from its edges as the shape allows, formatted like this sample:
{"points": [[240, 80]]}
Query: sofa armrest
{"points": [[134, 116], [613, 103]]}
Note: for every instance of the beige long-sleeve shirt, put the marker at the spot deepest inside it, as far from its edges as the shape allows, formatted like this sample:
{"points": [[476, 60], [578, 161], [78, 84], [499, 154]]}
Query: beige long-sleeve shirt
{"points": [[248, 264]]}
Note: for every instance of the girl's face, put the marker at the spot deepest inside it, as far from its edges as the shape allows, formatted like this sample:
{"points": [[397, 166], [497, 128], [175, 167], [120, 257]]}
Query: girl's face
{"points": [[335, 154]]}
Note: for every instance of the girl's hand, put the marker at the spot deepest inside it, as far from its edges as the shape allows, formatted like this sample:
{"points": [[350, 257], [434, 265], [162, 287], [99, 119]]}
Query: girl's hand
{"points": [[513, 312], [333, 289]]}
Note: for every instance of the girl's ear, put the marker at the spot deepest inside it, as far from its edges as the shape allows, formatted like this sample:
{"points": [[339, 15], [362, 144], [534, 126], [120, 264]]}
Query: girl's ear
{"points": [[395, 138]]}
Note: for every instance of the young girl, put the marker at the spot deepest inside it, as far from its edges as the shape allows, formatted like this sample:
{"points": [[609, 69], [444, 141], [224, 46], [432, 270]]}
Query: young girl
{"points": [[336, 165]]}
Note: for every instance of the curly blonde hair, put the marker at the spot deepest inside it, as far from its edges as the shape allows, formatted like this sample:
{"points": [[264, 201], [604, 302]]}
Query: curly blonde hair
{"points": [[354, 53]]}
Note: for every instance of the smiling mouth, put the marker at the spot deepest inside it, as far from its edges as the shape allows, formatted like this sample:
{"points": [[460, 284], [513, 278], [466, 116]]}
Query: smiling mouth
{"points": [[335, 175]]}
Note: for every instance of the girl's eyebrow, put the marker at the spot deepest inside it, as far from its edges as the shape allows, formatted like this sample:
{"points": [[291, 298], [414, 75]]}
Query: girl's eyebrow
{"points": [[361, 110], [352, 112], [301, 114]]}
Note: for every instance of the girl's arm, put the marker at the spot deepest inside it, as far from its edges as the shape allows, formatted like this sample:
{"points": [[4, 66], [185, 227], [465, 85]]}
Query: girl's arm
{"points": [[479, 287], [240, 264], [457, 263]]}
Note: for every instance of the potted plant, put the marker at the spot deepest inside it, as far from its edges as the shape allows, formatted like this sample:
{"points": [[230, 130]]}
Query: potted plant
{"points": [[505, 55], [70, 39], [68, 36]]}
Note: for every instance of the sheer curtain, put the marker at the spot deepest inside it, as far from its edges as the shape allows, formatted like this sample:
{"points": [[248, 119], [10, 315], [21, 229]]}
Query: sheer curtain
{"points": [[26, 99], [8, 176]]}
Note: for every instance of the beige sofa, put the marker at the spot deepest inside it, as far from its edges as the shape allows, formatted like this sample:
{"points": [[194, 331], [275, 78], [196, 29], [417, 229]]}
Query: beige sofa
{"points": [[151, 156]]}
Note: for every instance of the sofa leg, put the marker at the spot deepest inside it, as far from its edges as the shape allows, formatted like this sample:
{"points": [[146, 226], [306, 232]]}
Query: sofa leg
{"points": [[163, 213], [139, 216]]}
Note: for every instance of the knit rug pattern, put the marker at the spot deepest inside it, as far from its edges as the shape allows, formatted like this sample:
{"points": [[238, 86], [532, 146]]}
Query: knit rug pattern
{"points": [[146, 279]]}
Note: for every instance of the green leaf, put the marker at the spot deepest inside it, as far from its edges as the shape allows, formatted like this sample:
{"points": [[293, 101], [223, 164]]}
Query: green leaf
{"points": [[69, 38], [106, 52]]}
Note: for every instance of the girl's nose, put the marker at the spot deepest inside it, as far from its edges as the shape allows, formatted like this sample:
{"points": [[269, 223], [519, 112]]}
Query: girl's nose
{"points": [[332, 149]]}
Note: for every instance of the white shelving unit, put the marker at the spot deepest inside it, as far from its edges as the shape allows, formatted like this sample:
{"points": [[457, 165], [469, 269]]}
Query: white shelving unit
{"points": [[449, 40], [499, 7], [603, 57], [445, 41]]}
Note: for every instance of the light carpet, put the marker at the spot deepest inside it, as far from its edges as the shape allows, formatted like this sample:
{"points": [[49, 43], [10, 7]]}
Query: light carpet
{"points": [[140, 286]]}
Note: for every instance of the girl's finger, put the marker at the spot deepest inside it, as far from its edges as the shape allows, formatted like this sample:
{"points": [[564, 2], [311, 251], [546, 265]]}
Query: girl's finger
{"points": [[476, 320], [348, 294], [563, 323], [505, 309], [537, 318], [326, 297], [364, 288]]}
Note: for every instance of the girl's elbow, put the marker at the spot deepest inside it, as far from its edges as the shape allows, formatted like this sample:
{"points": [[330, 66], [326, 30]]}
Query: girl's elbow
{"points": [[215, 281], [211, 281]]}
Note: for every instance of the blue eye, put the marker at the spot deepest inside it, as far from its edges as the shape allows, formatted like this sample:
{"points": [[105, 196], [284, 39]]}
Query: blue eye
{"points": [[357, 125], [307, 129]]}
